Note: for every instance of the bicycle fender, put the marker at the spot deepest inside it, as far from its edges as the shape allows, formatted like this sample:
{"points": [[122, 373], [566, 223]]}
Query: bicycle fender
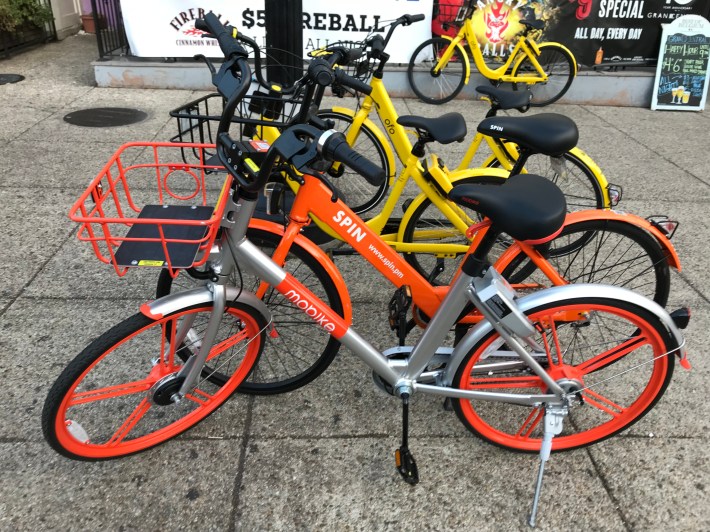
{"points": [[454, 177], [559, 293], [199, 296], [547, 45], [382, 139], [465, 58], [318, 254], [593, 214]]}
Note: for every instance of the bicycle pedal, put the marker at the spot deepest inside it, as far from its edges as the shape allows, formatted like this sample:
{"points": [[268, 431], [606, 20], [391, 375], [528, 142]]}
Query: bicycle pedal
{"points": [[448, 405], [406, 465]]}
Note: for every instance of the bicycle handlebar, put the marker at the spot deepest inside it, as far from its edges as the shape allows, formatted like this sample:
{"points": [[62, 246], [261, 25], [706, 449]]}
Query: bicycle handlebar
{"points": [[300, 145], [353, 83], [320, 71], [404, 20], [229, 46], [334, 146], [411, 19]]}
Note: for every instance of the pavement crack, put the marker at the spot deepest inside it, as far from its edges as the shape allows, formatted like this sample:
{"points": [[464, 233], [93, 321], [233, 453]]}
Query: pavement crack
{"points": [[39, 270], [236, 496], [610, 493]]}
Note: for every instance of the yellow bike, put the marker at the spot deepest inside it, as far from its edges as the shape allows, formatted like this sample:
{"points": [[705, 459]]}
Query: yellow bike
{"points": [[580, 178], [440, 67]]}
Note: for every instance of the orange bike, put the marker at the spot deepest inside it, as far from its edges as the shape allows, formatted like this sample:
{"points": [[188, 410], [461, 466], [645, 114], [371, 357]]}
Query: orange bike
{"points": [[594, 245], [556, 370]]}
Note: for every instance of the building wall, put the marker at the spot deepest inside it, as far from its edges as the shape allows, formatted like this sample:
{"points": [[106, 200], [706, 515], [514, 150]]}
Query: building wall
{"points": [[67, 17]]}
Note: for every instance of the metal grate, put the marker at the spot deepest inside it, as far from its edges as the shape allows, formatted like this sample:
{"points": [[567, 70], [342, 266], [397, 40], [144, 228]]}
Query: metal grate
{"points": [[105, 117], [110, 30]]}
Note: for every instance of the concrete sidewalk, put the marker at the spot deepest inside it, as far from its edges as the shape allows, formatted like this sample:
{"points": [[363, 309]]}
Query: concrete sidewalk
{"points": [[320, 457]]}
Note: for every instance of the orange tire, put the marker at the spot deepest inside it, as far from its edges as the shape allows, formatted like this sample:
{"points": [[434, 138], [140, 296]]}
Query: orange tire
{"points": [[608, 350], [114, 399]]}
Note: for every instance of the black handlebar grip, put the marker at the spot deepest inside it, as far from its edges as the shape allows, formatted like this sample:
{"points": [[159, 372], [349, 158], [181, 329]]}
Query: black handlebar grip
{"points": [[227, 43], [320, 71], [353, 54], [336, 148], [377, 44], [411, 19], [353, 83], [201, 25]]}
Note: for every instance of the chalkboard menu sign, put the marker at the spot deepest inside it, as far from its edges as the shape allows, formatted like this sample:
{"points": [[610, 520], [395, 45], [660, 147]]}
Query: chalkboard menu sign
{"points": [[682, 74]]}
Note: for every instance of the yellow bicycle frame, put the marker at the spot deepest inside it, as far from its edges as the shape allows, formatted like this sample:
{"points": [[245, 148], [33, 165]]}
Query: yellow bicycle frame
{"points": [[524, 47]]}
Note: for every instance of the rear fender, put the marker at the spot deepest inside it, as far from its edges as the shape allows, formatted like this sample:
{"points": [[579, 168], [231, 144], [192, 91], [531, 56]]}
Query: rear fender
{"points": [[663, 241], [556, 294]]}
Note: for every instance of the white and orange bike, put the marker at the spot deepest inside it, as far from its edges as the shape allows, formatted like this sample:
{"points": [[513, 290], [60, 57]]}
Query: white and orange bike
{"points": [[557, 370]]}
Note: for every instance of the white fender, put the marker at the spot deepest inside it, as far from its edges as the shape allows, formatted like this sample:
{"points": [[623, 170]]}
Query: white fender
{"points": [[199, 296], [555, 294]]}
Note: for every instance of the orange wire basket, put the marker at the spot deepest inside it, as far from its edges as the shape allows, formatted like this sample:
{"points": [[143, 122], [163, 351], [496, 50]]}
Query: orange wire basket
{"points": [[145, 209]]}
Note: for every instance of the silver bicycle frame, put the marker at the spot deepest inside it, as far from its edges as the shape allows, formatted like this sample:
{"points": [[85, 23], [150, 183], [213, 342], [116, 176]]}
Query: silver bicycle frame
{"points": [[402, 375]]}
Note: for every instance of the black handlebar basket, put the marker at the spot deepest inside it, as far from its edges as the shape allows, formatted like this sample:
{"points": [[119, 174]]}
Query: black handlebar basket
{"points": [[453, 13], [361, 68], [198, 120]]}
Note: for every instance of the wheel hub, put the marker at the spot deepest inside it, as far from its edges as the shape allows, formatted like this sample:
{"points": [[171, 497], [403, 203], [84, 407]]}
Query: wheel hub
{"points": [[162, 392], [570, 379]]}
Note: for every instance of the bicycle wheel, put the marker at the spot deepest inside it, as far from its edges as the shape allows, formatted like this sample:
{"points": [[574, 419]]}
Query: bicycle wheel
{"points": [[576, 180], [114, 399], [601, 348], [299, 350], [446, 84], [558, 64], [599, 251], [360, 195]]}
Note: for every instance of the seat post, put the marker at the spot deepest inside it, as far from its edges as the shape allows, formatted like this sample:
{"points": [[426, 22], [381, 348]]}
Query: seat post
{"points": [[523, 155], [418, 150], [477, 263]]}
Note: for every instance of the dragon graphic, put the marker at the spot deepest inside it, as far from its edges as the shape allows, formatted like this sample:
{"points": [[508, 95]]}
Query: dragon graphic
{"points": [[496, 20]]}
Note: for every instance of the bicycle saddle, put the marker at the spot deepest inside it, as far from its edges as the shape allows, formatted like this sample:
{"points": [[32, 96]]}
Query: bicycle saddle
{"points": [[506, 99], [532, 24], [445, 129], [527, 207], [547, 133]]}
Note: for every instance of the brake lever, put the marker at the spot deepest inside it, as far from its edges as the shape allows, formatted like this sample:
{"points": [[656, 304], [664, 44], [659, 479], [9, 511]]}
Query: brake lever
{"points": [[324, 180], [316, 169], [288, 169], [205, 60], [320, 123]]}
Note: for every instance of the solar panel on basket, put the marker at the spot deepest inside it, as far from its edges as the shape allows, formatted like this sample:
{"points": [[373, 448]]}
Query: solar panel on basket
{"points": [[148, 208]]}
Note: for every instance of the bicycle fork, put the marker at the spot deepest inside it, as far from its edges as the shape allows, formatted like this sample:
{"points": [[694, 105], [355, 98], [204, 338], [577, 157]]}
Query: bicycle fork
{"points": [[234, 227]]}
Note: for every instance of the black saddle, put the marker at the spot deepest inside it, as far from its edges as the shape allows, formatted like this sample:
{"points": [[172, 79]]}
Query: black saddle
{"points": [[445, 129], [505, 100], [526, 206], [547, 133], [532, 24]]}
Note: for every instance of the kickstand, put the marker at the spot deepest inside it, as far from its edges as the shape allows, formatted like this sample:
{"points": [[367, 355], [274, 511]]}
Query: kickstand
{"points": [[554, 417], [406, 465]]}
